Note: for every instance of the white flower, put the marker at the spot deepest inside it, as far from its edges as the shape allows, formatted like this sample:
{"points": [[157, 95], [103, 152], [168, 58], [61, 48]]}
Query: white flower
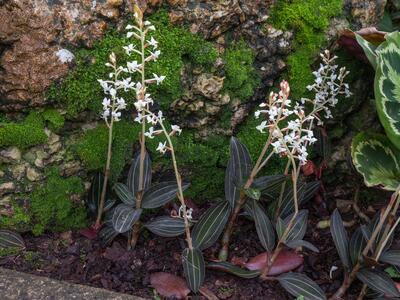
{"points": [[133, 66], [129, 49], [158, 79], [121, 103], [113, 92], [262, 126], [129, 27], [150, 133], [116, 115], [176, 128], [152, 42], [129, 34], [189, 212], [162, 147], [147, 23], [152, 28], [106, 114], [154, 55], [106, 103]]}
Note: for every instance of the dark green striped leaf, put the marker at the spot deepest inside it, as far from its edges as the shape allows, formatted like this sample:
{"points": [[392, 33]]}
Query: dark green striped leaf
{"points": [[298, 284], [210, 226], [356, 245], [108, 204], [124, 217], [253, 193], [11, 239], [378, 281], [160, 194], [241, 161], [194, 268], [299, 226], [305, 191], [93, 199], [107, 234], [268, 183], [301, 243], [391, 257], [264, 227], [232, 269], [381, 232], [134, 173], [340, 239], [280, 227], [166, 226], [232, 193], [124, 194]]}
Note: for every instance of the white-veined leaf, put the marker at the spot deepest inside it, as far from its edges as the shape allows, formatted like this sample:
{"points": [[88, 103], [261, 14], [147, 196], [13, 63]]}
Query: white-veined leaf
{"points": [[356, 245], [160, 194], [378, 281], [11, 239], [300, 285], [166, 226], [124, 216], [232, 193], [210, 226], [241, 162], [339, 236], [232, 269], [124, 194], [391, 257], [134, 173], [264, 227], [194, 268]]}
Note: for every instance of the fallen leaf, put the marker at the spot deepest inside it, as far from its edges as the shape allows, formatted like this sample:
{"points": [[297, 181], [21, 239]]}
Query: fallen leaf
{"points": [[89, 233], [169, 285], [286, 261], [116, 253]]}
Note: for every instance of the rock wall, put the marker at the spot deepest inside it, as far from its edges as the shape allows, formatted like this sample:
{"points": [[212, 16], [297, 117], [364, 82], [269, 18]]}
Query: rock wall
{"points": [[40, 38]]}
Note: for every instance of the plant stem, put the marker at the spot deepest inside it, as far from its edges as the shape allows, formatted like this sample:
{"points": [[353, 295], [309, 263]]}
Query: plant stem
{"points": [[362, 292], [139, 195], [223, 253], [348, 280]]}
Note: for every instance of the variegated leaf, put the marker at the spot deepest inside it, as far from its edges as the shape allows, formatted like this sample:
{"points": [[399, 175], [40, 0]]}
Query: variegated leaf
{"points": [[376, 160], [166, 226], [264, 227], [241, 161], [124, 194], [124, 216], [210, 226], [94, 194], [133, 180], [369, 50], [387, 86], [301, 243], [378, 281], [300, 285], [194, 268], [160, 194], [232, 269], [299, 226], [11, 239], [339, 236]]}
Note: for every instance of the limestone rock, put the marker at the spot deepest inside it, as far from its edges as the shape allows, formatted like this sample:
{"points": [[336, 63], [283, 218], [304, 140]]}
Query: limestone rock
{"points": [[7, 187], [367, 13], [32, 174], [10, 155]]}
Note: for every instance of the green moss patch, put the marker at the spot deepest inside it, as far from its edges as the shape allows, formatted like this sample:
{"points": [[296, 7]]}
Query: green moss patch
{"points": [[51, 206], [80, 89], [309, 19]]}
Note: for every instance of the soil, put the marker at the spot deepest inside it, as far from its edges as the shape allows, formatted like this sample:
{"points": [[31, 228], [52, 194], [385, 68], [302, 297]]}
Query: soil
{"points": [[73, 258]]}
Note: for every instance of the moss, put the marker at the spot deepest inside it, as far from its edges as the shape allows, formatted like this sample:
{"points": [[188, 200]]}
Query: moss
{"points": [[54, 119], [23, 134], [51, 207], [255, 141], [80, 89], [5, 252], [19, 220], [309, 19], [92, 147], [241, 76]]}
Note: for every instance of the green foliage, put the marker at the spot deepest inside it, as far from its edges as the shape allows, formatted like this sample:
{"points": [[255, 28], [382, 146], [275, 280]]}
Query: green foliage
{"points": [[309, 19], [241, 76], [386, 60], [92, 147], [80, 89], [377, 160], [51, 206], [5, 252], [19, 220], [54, 118], [23, 134]]}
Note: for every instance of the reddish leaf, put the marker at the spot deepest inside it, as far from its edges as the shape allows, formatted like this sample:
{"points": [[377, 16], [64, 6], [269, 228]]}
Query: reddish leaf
{"points": [[89, 233], [169, 285], [286, 261], [309, 168], [116, 253], [238, 261], [348, 41], [397, 285]]}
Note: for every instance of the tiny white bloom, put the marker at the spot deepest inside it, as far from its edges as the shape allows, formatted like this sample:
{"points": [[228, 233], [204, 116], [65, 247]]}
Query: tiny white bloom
{"points": [[152, 42], [158, 79], [176, 128], [162, 147]]}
